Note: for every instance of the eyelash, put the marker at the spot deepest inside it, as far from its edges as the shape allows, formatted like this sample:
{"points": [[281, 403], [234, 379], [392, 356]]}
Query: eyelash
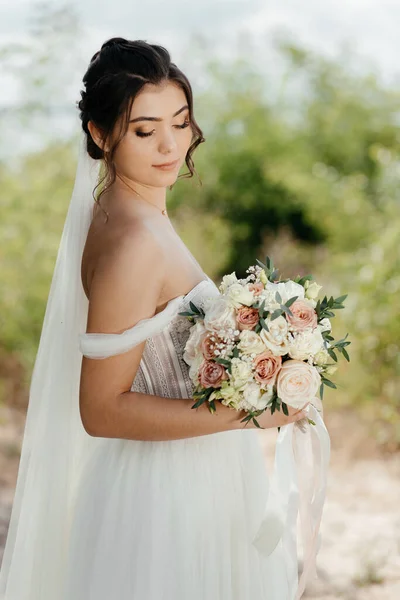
{"points": [[143, 134]]}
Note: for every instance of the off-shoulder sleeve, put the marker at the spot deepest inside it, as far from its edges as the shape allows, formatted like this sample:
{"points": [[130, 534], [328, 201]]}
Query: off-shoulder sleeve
{"points": [[103, 345]]}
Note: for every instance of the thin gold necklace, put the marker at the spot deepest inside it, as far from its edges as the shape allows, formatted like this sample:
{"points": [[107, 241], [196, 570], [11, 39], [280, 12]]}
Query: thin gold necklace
{"points": [[163, 211]]}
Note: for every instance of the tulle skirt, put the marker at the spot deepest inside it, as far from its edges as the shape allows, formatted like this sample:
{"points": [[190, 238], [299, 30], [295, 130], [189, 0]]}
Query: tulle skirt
{"points": [[173, 520]]}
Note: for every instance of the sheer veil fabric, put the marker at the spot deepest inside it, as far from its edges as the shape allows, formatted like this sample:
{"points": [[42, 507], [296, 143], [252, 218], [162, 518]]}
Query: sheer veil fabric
{"points": [[54, 443], [56, 447]]}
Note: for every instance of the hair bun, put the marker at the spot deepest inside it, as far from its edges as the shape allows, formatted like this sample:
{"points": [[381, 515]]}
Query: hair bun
{"points": [[116, 41]]}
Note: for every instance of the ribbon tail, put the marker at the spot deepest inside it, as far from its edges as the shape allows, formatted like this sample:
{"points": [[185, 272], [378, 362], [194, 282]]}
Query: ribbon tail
{"points": [[312, 455]]}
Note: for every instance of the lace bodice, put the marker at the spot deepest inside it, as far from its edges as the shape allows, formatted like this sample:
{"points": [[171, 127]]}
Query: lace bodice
{"points": [[162, 370]]}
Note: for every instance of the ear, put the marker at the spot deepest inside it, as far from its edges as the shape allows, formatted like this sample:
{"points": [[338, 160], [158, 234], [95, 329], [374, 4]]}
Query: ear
{"points": [[95, 132]]}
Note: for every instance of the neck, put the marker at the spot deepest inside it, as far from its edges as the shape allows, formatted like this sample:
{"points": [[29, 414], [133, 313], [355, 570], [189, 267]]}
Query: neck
{"points": [[155, 197]]}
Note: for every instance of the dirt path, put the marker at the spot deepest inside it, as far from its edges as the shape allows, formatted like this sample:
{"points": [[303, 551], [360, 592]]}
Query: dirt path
{"points": [[359, 557]]}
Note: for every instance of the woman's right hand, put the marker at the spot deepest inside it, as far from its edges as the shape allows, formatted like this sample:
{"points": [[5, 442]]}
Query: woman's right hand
{"points": [[278, 419]]}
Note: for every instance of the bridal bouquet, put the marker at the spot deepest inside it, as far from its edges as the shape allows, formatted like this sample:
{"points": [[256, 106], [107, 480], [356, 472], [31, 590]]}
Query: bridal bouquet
{"points": [[263, 343]]}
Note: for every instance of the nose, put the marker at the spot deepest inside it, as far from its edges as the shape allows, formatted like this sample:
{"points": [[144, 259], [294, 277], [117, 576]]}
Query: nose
{"points": [[168, 144]]}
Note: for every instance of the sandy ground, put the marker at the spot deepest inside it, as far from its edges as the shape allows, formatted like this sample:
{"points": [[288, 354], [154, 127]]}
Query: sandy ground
{"points": [[359, 558]]}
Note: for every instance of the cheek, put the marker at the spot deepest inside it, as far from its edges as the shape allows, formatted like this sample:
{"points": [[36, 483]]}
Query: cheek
{"points": [[133, 151]]}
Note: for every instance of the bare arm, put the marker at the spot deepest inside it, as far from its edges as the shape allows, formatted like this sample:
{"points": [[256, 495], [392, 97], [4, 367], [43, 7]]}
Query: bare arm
{"points": [[125, 288]]}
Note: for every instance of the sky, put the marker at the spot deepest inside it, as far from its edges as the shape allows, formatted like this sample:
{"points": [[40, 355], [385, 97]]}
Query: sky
{"points": [[369, 27]]}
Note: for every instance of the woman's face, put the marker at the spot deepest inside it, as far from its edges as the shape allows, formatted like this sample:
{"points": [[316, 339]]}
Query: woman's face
{"points": [[159, 132]]}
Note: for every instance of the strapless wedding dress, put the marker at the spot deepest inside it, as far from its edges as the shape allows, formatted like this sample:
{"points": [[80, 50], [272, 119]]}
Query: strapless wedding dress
{"points": [[170, 520]]}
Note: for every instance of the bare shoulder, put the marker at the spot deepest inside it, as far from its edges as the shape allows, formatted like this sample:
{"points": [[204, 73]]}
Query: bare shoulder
{"points": [[127, 279]]}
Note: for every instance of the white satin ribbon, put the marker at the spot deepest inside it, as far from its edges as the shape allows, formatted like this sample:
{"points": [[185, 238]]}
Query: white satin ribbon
{"points": [[297, 487]]}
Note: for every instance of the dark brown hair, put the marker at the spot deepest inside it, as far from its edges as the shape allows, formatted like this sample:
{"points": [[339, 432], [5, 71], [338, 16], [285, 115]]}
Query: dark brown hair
{"points": [[115, 76]]}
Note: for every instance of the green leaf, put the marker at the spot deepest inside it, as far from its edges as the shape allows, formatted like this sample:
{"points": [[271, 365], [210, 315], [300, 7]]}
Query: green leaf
{"points": [[274, 275], [345, 354], [285, 409], [277, 313], [332, 354], [256, 423], [291, 300], [328, 382], [287, 310], [199, 402], [222, 361]]}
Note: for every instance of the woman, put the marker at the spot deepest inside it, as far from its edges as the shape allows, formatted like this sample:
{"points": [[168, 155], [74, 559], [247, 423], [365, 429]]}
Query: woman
{"points": [[123, 490]]}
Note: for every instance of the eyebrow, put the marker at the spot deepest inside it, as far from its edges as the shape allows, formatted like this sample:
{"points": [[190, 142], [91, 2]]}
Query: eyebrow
{"points": [[157, 118]]}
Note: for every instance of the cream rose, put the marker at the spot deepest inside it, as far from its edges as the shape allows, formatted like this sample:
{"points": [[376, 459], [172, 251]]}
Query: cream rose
{"points": [[250, 342], [297, 383], [312, 289], [237, 295], [195, 366], [276, 338], [321, 357], [197, 333], [219, 315], [330, 369], [227, 281], [305, 343]]}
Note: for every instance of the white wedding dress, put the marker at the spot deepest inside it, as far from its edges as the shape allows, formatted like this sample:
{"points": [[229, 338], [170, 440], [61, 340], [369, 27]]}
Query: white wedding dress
{"points": [[170, 520]]}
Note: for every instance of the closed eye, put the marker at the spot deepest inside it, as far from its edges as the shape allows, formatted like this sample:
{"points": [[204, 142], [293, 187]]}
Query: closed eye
{"points": [[143, 134]]}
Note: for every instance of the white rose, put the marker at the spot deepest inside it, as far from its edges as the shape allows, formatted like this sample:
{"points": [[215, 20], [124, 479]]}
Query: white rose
{"points": [[305, 343], [195, 366], [241, 373], [219, 315], [325, 325], [227, 281], [297, 383], [197, 332], [287, 289], [312, 289], [237, 295], [276, 338], [253, 398], [268, 295], [250, 342]]}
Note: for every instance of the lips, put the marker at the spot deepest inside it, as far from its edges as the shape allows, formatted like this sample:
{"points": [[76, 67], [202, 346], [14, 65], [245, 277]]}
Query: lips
{"points": [[170, 164]]}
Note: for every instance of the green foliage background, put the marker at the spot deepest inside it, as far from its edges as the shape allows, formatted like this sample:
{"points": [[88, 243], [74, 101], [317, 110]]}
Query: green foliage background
{"points": [[308, 175]]}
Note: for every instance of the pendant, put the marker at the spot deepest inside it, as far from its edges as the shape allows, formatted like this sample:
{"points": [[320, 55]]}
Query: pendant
{"points": [[164, 212]]}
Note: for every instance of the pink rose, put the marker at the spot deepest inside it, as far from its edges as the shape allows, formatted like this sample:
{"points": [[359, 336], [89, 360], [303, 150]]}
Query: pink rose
{"points": [[304, 316], [297, 383], [208, 346], [267, 367], [247, 317], [257, 288], [211, 374]]}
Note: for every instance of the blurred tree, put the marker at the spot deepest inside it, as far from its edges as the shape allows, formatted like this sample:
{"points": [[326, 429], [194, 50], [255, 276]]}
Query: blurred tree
{"points": [[307, 166]]}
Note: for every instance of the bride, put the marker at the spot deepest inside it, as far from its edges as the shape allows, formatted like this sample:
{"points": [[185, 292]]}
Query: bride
{"points": [[123, 491]]}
